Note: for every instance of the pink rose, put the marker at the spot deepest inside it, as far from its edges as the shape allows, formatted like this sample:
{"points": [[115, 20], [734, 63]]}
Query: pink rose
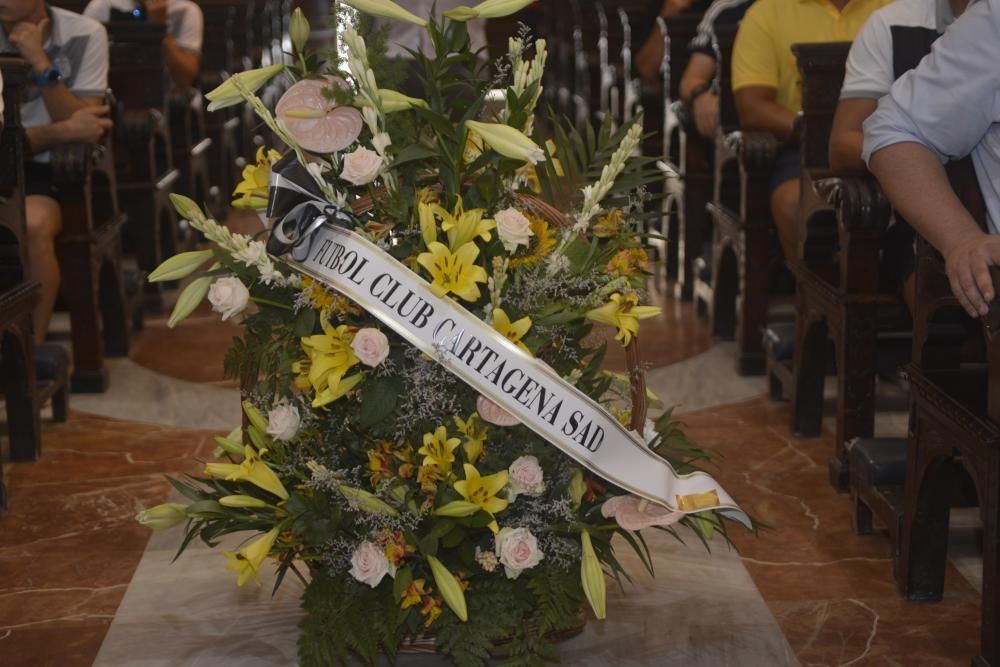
{"points": [[371, 346], [369, 564], [494, 414], [314, 120], [525, 477], [632, 513], [361, 166], [518, 550]]}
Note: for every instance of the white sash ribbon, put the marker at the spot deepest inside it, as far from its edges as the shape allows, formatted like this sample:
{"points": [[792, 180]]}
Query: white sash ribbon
{"points": [[500, 371]]}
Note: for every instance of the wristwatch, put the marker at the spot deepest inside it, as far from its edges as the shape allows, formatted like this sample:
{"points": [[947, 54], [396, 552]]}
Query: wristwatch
{"points": [[48, 78]]}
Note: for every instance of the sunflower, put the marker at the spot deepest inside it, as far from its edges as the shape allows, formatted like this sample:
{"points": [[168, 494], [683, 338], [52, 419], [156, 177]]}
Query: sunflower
{"points": [[541, 243]]}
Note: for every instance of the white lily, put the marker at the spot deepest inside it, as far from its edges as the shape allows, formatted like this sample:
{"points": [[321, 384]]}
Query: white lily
{"points": [[508, 141], [393, 101], [228, 94], [489, 9], [386, 8]]}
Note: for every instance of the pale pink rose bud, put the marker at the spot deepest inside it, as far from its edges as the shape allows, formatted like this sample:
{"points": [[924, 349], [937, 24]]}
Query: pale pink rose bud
{"points": [[525, 477], [369, 564], [518, 550], [361, 166], [494, 414], [371, 346], [314, 120]]}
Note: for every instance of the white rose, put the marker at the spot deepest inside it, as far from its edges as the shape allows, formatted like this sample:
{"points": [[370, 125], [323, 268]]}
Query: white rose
{"points": [[228, 296], [283, 421], [369, 564], [371, 346], [525, 477], [514, 229], [494, 414], [518, 550], [361, 167]]}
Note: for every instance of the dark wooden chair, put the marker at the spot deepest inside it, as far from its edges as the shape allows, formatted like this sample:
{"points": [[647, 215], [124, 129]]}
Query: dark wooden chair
{"points": [[954, 426], [143, 153], [731, 279], [17, 294], [191, 149]]}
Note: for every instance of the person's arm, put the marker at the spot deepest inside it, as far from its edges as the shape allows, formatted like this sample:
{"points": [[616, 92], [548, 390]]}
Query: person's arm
{"points": [[847, 138], [700, 71], [650, 56], [181, 64], [941, 111], [87, 124], [758, 109], [28, 38], [181, 52]]}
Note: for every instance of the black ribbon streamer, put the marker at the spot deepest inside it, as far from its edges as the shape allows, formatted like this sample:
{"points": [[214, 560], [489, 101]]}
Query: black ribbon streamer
{"points": [[298, 207]]}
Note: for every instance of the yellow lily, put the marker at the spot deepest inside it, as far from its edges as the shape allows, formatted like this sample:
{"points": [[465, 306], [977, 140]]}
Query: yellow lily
{"points": [[252, 191], [489, 9], [329, 357], [228, 94], [456, 272], [475, 436], [439, 449], [246, 562], [393, 101], [507, 141], [244, 502], [389, 10], [253, 470], [163, 516], [483, 491], [426, 203], [513, 332], [623, 312], [463, 226]]}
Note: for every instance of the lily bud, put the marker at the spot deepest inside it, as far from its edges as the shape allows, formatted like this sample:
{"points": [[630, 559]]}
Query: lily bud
{"points": [[393, 101], [298, 30], [457, 509], [244, 502], [255, 416], [449, 588], [386, 8], [228, 93], [180, 266], [576, 489], [163, 516], [489, 9], [190, 297], [230, 444], [368, 502], [592, 577], [507, 141], [186, 208]]}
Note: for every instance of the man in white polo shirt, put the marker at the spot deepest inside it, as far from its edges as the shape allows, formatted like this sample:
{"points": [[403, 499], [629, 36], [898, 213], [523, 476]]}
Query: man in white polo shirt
{"points": [[185, 31], [68, 55]]}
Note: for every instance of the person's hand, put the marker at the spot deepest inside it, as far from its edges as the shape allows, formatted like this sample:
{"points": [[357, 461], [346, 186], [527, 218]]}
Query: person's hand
{"points": [[706, 113], [28, 39], [156, 11], [87, 124], [968, 263]]}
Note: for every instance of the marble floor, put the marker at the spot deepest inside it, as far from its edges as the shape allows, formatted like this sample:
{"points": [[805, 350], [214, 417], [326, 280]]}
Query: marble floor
{"points": [[82, 584]]}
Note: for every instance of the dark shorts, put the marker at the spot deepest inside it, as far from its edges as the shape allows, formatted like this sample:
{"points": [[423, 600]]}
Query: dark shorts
{"points": [[38, 181], [786, 166]]}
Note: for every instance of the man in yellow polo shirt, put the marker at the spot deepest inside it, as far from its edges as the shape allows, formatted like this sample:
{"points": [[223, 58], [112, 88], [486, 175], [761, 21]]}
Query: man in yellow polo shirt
{"points": [[768, 89]]}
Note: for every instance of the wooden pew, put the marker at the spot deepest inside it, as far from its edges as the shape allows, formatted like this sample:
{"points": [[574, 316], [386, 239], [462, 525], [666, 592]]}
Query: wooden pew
{"points": [[954, 426], [17, 294], [731, 281], [143, 157]]}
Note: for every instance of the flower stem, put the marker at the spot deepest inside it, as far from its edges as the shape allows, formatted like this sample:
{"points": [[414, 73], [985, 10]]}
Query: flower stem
{"points": [[268, 302]]}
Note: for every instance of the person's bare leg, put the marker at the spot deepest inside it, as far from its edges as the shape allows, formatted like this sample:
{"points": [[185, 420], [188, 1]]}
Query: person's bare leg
{"points": [[44, 224], [910, 291], [785, 210]]}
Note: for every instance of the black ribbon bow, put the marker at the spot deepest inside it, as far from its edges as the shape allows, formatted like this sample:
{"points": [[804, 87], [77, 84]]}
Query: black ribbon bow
{"points": [[299, 209]]}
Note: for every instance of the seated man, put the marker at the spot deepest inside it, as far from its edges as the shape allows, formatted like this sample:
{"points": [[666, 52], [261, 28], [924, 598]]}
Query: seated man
{"points": [[697, 90], [185, 28], [68, 55], [947, 108], [893, 41], [768, 90], [650, 55]]}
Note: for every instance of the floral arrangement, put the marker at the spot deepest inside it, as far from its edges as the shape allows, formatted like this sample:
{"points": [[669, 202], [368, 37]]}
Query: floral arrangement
{"points": [[422, 511]]}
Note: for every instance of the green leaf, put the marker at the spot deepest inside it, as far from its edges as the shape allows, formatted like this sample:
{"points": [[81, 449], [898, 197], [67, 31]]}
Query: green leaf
{"points": [[378, 400], [404, 577]]}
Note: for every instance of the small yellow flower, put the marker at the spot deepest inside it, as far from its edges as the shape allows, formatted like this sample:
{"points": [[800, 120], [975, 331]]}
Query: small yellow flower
{"points": [[513, 332], [609, 224], [329, 357], [542, 242], [439, 449], [246, 562], [461, 226], [253, 470], [623, 312], [431, 610], [456, 272], [475, 436], [483, 491], [413, 593], [628, 261]]}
